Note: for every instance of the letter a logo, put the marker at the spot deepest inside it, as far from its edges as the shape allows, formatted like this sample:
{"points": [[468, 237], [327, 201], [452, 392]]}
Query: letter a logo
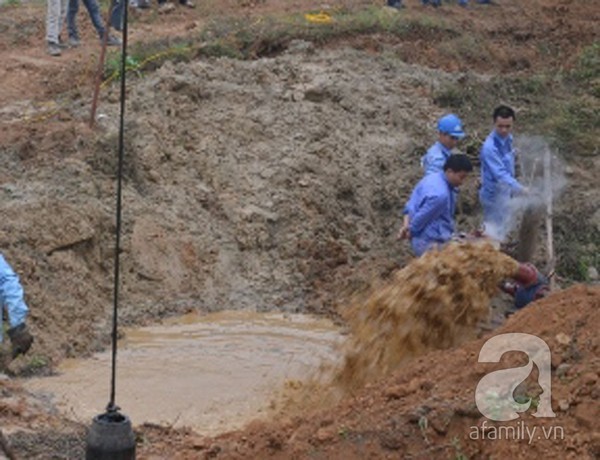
{"points": [[494, 392]]}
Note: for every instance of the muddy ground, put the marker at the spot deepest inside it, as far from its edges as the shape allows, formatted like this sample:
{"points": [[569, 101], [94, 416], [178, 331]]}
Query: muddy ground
{"points": [[273, 182]]}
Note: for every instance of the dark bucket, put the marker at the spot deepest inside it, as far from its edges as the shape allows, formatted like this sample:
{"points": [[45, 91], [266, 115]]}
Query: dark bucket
{"points": [[110, 438]]}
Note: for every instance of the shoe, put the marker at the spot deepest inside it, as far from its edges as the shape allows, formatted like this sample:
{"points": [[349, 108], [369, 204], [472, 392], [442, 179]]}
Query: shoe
{"points": [[54, 49], [113, 41], [61, 44], [166, 8], [74, 42], [187, 3]]}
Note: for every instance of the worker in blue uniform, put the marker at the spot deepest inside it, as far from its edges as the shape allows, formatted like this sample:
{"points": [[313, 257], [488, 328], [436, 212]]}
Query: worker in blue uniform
{"points": [[450, 132], [498, 182], [429, 212]]}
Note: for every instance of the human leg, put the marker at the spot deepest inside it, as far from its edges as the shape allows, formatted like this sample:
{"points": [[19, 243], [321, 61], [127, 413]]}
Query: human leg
{"points": [[93, 10], [117, 14], [53, 21], [72, 11]]}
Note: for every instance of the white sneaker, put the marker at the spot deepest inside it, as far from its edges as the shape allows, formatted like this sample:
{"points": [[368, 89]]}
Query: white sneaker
{"points": [[54, 49]]}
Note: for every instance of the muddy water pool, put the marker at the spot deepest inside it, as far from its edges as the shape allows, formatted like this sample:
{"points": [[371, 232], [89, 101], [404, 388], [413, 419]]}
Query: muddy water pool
{"points": [[210, 372]]}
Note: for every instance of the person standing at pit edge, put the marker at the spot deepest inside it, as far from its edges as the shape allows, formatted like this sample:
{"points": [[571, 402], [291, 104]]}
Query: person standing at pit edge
{"points": [[432, 204], [57, 10], [93, 10], [450, 132], [11, 299], [498, 183]]}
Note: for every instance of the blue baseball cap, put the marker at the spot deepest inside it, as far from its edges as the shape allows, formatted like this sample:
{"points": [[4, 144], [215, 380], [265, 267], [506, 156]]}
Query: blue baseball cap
{"points": [[451, 125]]}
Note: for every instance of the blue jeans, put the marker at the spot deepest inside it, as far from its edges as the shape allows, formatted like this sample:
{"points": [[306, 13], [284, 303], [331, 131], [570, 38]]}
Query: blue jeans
{"points": [[94, 12], [117, 13]]}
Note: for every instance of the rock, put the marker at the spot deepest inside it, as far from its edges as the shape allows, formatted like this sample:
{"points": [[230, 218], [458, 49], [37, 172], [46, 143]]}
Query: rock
{"points": [[392, 440], [562, 370], [563, 338], [585, 416], [592, 274], [563, 405], [396, 392], [199, 443], [595, 220], [440, 421], [589, 378], [325, 434], [300, 47]]}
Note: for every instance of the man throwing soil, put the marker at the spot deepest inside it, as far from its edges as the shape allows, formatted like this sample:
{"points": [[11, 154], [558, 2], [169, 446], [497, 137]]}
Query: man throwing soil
{"points": [[429, 213], [11, 299], [498, 183]]}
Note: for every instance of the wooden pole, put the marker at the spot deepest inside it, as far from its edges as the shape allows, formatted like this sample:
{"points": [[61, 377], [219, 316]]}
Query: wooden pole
{"points": [[549, 231]]}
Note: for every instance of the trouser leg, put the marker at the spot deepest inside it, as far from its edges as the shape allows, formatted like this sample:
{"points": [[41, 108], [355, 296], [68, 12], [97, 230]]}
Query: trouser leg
{"points": [[53, 21], [94, 11], [72, 11], [55, 17]]}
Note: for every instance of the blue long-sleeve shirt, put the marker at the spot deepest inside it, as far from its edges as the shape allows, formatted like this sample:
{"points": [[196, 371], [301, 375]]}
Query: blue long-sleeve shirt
{"points": [[431, 212], [11, 295], [435, 158], [497, 168]]}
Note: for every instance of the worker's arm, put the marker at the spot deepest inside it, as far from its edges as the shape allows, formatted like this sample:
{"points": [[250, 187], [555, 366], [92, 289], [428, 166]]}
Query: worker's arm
{"points": [[431, 209], [11, 294], [490, 157], [409, 209]]}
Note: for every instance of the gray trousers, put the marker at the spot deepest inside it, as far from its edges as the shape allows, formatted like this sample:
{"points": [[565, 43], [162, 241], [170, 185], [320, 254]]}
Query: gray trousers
{"points": [[55, 17]]}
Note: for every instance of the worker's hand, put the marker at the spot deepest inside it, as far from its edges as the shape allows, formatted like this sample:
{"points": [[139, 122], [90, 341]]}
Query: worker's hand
{"points": [[403, 233], [21, 340]]}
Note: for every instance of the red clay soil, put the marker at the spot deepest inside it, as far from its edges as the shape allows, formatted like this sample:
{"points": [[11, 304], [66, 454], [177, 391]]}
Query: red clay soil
{"points": [[427, 409]]}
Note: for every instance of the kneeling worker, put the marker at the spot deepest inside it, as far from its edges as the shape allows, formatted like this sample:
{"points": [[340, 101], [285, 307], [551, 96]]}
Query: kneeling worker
{"points": [[526, 286], [429, 213]]}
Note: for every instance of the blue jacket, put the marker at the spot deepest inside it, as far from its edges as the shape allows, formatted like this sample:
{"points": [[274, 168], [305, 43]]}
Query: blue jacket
{"points": [[431, 210], [435, 158], [497, 169], [11, 295]]}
